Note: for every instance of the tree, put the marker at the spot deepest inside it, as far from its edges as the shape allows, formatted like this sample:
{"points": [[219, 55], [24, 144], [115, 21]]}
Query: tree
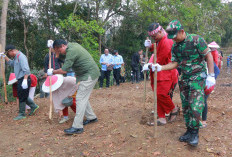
{"points": [[3, 41], [82, 32], [3, 23], [25, 26]]}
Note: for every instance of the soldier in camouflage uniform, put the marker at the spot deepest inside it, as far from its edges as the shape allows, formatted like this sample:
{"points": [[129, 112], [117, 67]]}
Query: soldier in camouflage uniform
{"points": [[190, 53]]}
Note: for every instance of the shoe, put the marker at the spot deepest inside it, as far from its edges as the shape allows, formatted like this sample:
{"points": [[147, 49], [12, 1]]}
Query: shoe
{"points": [[63, 120], [160, 123], [33, 110], [174, 114], [90, 121], [203, 126], [193, 141], [19, 117], [186, 136], [73, 130]]}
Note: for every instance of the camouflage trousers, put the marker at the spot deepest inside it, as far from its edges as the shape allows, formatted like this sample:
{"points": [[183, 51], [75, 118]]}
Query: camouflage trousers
{"points": [[192, 97]]}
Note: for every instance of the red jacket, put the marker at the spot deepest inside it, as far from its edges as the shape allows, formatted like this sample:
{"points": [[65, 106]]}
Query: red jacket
{"points": [[164, 47]]}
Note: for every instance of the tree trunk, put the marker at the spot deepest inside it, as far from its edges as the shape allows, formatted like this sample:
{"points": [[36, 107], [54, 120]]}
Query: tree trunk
{"points": [[99, 42], [25, 30], [3, 23], [3, 42], [75, 8]]}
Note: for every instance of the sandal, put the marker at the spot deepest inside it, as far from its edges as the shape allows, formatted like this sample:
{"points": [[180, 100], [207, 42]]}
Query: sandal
{"points": [[174, 114], [204, 125], [158, 123]]}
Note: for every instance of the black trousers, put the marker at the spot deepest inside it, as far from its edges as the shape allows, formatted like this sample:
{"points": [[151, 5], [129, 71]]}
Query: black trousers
{"points": [[116, 73], [141, 73], [23, 93], [105, 74], [122, 79], [135, 75]]}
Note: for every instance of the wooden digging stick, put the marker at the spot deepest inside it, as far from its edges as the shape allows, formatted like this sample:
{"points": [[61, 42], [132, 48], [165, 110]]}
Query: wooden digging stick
{"points": [[145, 80], [50, 85], [3, 75], [155, 95]]}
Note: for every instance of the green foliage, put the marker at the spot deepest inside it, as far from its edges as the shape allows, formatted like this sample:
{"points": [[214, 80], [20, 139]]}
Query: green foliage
{"points": [[85, 33], [197, 16], [125, 24]]}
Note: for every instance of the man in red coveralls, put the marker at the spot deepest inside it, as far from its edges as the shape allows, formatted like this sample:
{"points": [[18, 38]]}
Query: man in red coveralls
{"points": [[166, 80]]}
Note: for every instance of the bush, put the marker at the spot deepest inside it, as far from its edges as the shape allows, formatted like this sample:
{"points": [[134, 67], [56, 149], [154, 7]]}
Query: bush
{"points": [[9, 90]]}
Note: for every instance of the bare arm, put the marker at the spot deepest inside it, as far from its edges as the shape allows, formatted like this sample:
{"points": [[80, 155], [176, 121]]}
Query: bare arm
{"points": [[25, 77], [209, 60], [7, 59], [170, 66], [59, 71]]}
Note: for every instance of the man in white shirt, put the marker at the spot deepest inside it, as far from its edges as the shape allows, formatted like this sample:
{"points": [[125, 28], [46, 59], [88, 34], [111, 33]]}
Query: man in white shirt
{"points": [[106, 62]]}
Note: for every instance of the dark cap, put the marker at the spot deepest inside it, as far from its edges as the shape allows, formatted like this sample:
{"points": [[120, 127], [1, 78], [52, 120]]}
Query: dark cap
{"points": [[154, 28], [9, 48]]}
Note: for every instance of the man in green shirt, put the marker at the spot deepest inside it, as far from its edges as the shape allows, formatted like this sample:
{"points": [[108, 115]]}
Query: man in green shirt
{"points": [[87, 73], [190, 53]]}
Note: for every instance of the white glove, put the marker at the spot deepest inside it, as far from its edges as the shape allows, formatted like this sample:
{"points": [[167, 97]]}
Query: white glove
{"points": [[50, 43], [147, 43], [2, 54], [24, 84], [210, 81], [146, 67], [156, 67], [50, 72]]}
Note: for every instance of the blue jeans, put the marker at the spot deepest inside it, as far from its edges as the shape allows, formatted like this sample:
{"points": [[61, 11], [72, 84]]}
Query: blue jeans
{"points": [[71, 74]]}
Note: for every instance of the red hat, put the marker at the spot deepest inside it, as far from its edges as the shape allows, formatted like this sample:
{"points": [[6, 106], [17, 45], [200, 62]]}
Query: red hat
{"points": [[12, 79], [213, 45], [57, 81]]}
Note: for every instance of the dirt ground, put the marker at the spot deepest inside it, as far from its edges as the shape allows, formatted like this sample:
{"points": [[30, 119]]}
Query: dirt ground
{"points": [[118, 132]]}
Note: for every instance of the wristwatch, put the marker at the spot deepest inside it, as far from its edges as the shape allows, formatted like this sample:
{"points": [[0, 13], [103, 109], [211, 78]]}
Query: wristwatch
{"points": [[212, 74]]}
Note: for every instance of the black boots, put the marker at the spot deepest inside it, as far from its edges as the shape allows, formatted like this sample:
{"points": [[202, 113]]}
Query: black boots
{"points": [[193, 141], [190, 136], [186, 136]]}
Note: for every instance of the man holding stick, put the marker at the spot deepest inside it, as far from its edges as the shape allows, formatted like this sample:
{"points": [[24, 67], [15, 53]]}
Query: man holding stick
{"points": [[22, 73], [190, 53], [87, 73], [166, 80]]}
